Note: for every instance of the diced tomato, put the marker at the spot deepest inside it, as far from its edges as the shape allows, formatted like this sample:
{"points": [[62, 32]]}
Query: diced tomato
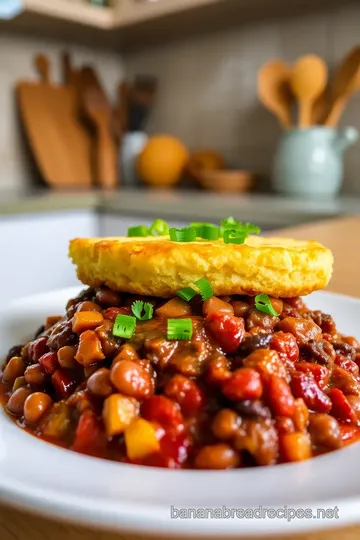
{"points": [[186, 393], [49, 362], [285, 345], [341, 408], [304, 386], [164, 411], [111, 313], [281, 400], [244, 383], [227, 330], [63, 383], [347, 364], [320, 373], [89, 436]]}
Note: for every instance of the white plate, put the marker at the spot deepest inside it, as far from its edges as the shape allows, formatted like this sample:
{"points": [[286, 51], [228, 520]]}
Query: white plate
{"points": [[48, 480]]}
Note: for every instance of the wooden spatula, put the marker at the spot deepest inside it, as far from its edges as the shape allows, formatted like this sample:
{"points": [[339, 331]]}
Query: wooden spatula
{"points": [[98, 110], [308, 81], [345, 83], [60, 144], [274, 90]]}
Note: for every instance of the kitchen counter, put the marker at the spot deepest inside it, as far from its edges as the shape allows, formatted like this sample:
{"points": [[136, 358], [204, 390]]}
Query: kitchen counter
{"points": [[338, 236], [268, 210]]}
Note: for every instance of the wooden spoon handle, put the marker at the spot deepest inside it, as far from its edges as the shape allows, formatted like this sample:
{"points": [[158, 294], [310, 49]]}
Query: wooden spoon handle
{"points": [[106, 158], [305, 114], [335, 113], [43, 67]]}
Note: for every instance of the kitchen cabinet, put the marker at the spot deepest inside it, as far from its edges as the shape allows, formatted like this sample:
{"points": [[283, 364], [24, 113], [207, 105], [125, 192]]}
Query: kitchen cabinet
{"points": [[34, 251]]}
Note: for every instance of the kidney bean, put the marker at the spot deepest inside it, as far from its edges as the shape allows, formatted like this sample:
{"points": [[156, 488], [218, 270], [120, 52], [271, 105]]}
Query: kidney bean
{"points": [[321, 351], [325, 431], [89, 350], [285, 345], [215, 305], [108, 297], [35, 406], [301, 415], [38, 347], [186, 393], [241, 309], [341, 407], [260, 438], [280, 398], [267, 363], [218, 370], [347, 364], [345, 350], [131, 379], [13, 369], [244, 383], [251, 343], [49, 362], [62, 336], [302, 329], [227, 330], [88, 306], [35, 375], [225, 424], [295, 447], [99, 383], [164, 411], [304, 386], [109, 343], [217, 456], [320, 373], [345, 381], [258, 319], [252, 408], [63, 383], [16, 402]]}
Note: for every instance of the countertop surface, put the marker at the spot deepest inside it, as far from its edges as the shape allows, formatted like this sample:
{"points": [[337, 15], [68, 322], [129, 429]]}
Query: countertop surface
{"points": [[270, 210], [338, 235]]}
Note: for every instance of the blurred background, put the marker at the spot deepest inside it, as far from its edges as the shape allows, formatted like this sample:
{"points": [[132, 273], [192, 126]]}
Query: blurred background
{"points": [[116, 112]]}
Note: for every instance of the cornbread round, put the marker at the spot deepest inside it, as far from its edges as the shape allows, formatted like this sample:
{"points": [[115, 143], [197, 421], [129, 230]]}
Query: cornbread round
{"points": [[156, 266]]}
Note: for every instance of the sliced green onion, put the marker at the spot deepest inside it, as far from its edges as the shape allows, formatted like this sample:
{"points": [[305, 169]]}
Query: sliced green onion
{"points": [[236, 236], [205, 289], [187, 294], [251, 228], [138, 307], [263, 303], [124, 326], [232, 224], [139, 230], [187, 234], [208, 231], [179, 329], [159, 228]]}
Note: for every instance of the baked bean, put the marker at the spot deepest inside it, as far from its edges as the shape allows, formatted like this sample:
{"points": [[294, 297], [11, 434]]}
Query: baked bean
{"points": [[259, 438], [62, 335], [35, 375], [126, 352], [325, 431], [109, 343], [267, 363], [15, 405], [176, 307], [13, 369], [258, 319], [284, 424], [131, 379], [302, 329], [295, 446], [353, 342], [35, 406], [277, 304], [241, 309], [108, 297], [218, 370], [215, 305], [99, 383], [66, 357], [217, 456], [88, 306], [225, 424]]}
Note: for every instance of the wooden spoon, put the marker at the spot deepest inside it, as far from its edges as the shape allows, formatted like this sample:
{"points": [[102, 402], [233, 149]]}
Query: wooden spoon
{"points": [[308, 81], [346, 82], [274, 90]]}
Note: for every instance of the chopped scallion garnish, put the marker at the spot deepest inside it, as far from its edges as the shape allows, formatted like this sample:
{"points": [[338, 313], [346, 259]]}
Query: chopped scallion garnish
{"points": [[179, 329], [235, 236], [205, 289], [138, 231], [207, 231], [187, 294], [124, 326], [159, 228], [187, 234], [263, 303], [138, 307]]}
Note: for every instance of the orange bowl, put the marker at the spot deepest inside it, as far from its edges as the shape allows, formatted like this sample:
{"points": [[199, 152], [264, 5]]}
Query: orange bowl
{"points": [[227, 181]]}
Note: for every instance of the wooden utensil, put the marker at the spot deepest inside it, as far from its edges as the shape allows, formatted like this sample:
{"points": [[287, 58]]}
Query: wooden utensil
{"points": [[346, 82], [60, 144], [98, 110], [120, 113], [308, 81], [274, 90]]}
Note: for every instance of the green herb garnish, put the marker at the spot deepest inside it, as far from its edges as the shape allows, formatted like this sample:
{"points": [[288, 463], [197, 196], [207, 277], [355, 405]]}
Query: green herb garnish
{"points": [[263, 303], [138, 307]]}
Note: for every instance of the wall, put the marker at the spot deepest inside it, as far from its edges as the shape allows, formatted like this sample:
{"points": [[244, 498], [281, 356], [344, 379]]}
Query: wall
{"points": [[208, 84], [16, 63]]}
